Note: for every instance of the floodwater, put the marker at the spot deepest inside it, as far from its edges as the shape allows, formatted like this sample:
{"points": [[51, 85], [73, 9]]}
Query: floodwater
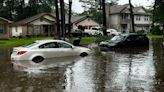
{"points": [[120, 70]]}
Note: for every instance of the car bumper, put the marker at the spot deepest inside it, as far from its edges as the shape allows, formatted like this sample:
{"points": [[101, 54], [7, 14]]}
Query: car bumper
{"points": [[18, 58]]}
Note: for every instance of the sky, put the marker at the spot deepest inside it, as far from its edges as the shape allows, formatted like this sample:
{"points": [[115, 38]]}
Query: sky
{"points": [[76, 6]]}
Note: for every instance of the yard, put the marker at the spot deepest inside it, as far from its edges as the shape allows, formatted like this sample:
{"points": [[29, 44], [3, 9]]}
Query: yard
{"points": [[19, 41], [85, 40], [23, 41]]}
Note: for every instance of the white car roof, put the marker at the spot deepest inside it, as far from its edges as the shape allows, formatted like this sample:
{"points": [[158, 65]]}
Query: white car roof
{"points": [[45, 41]]}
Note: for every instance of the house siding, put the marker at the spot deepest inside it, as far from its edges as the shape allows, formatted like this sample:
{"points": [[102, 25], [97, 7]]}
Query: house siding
{"points": [[24, 31], [6, 34], [120, 18], [42, 26], [87, 23], [16, 31], [115, 21]]}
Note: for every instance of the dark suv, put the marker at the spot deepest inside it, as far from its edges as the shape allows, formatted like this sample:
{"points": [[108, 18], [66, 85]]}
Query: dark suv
{"points": [[78, 33], [125, 40]]}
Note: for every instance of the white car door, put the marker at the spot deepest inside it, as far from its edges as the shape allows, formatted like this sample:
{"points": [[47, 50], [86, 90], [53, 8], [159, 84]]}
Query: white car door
{"points": [[49, 50], [66, 49]]}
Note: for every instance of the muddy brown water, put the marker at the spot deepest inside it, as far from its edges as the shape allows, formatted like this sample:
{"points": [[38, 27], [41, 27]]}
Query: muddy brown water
{"points": [[120, 70]]}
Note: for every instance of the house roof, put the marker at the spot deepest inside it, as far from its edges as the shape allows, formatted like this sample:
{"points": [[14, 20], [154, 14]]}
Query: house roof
{"points": [[31, 19], [77, 19], [74, 19], [116, 9], [8, 21]]}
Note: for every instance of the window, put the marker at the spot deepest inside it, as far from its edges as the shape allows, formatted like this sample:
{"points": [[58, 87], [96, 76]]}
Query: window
{"points": [[64, 45], [30, 45], [124, 16], [138, 18], [146, 18], [2, 29], [49, 45], [16, 29]]}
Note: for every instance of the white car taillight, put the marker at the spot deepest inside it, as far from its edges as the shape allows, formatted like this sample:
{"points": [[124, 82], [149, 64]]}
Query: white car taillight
{"points": [[21, 52]]}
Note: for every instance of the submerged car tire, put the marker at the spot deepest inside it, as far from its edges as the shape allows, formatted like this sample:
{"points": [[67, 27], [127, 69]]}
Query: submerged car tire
{"points": [[38, 59], [84, 54]]}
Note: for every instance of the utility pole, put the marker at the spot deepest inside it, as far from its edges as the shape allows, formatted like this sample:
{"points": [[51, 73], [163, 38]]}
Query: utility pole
{"points": [[62, 12], [132, 16], [104, 17], [57, 18], [69, 17]]}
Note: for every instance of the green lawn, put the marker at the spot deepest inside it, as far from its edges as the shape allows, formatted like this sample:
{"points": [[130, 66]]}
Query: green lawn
{"points": [[20, 41], [84, 40], [154, 36]]}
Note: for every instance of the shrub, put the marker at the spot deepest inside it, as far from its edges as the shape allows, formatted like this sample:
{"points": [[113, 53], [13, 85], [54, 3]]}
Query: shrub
{"points": [[102, 38], [156, 31], [141, 31]]}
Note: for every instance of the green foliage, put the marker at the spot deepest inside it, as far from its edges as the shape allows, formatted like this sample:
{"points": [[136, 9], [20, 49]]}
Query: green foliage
{"points": [[102, 38], [154, 36], [94, 8], [19, 41], [156, 31], [17, 9], [158, 11], [141, 31]]}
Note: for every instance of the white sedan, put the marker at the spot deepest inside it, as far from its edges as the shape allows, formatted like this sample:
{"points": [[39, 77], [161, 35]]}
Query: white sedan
{"points": [[42, 49], [112, 32]]}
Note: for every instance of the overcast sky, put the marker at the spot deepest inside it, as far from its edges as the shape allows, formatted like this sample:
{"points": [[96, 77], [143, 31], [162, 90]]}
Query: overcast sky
{"points": [[76, 6]]}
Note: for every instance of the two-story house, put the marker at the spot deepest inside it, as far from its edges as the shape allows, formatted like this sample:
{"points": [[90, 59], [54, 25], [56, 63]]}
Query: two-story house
{"points": [[118, 17]]}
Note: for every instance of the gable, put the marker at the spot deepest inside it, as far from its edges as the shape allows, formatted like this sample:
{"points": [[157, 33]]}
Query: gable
{"points": [[35, 18], [2, 21], [88, 21], [141, 10], [42, 21], [49, 17]]}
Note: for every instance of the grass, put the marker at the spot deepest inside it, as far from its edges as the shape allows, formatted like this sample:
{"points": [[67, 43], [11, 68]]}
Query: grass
{"points": [[154, 36], [84, 40], [14, 42], [19, 41]]}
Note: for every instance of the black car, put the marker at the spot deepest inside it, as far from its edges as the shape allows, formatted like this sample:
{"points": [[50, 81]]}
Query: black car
{"points": [[78, 33], [125, 40]]}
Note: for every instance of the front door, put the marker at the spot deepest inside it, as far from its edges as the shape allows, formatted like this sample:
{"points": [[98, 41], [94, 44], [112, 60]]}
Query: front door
{"points": [[45, 30]]}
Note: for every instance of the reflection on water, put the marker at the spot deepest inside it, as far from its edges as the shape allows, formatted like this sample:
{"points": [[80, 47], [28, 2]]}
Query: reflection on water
{"points": [[119, 70]]}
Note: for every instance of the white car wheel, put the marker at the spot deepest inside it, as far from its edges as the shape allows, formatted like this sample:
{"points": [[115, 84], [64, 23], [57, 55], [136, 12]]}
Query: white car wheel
{"points": [[83, 54], [38, 59]]}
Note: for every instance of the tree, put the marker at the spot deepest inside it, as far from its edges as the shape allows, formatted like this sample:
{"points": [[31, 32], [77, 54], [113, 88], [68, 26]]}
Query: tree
{"points": [[7, 8], [94, 8], [69, 17], [20, 10], [131, 16], [158, 11], [17, 9], [104, 18]]}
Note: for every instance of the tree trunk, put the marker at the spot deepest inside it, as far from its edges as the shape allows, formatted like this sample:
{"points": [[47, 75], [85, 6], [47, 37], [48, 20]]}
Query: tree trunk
{"points": [[69, 19], [132, 16], [104, 17], [57, 18], [62, 18], [153, 15]]}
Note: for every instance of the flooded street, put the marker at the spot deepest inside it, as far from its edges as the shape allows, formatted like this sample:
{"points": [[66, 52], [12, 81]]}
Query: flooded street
{"points": [[120, 70]]}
